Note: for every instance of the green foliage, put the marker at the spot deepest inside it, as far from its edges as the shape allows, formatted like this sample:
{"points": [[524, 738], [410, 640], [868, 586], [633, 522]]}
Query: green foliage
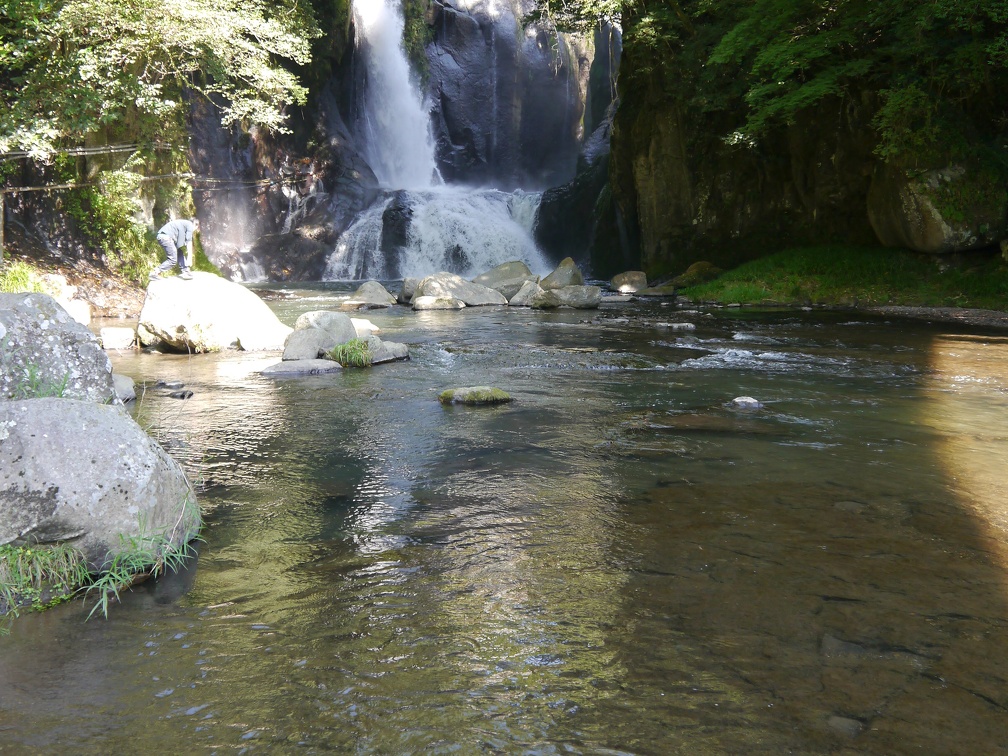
{"points": [[83, 66], [417, 34], [354, 353], [38, 577], [17, 276], [859, 275], [933, 64], [112, 223]]}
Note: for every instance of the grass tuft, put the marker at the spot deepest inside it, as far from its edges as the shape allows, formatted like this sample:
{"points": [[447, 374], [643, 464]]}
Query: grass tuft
{"points": [[354, 353], [17, 277]]}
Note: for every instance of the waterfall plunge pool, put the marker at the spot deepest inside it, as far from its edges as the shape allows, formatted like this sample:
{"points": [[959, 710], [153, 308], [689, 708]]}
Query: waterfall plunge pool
{"points": [[617, 562]]}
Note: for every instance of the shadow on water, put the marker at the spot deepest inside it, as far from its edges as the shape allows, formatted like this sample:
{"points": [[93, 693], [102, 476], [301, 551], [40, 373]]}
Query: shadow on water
{"points": [[618, 562]]}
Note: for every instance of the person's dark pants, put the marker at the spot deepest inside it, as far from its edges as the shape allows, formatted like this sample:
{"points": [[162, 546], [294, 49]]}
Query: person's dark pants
{"points": [[172, 253]]}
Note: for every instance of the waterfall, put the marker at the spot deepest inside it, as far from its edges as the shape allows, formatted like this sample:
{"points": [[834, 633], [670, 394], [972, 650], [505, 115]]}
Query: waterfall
{"points": [[450, 228], [395, 124], [420, 226]]}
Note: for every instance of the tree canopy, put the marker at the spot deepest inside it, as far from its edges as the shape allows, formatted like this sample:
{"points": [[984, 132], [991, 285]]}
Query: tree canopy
{"points": [[936, 69], [71, 68]]}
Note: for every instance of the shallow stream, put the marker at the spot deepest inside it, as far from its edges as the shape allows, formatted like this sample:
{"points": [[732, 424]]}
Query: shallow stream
{"points": [[619, 561]]}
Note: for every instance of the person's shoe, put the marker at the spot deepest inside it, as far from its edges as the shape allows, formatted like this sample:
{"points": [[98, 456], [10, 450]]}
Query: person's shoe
{"points": [[154, 276], [185, 275]]}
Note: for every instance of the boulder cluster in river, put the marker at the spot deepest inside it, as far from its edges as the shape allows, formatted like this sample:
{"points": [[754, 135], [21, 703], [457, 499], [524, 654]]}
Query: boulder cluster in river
{"points": [[75, 467]]}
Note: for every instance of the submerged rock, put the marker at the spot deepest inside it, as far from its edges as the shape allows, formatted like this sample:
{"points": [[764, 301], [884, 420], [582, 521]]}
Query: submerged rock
{"points": [[746, 402], [301, 367], [474, 395], [207, 314]]}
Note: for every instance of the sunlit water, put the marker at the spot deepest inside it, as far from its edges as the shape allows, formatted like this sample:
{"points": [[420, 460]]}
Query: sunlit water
{"points": [[617, 562]]}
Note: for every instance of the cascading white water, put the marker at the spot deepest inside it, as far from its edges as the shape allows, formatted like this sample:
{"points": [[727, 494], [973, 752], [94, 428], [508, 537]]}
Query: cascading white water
{"points": [[396, 125], [452, 228], [462, 230]]}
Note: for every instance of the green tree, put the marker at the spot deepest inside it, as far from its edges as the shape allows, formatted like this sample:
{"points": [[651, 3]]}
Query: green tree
{"points": [[82, 67]]}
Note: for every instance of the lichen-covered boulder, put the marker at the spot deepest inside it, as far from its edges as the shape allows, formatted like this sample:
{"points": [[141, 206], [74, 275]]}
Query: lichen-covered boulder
{"points": [[45, 352], [947, 210], [117, 484], [207, 314]]}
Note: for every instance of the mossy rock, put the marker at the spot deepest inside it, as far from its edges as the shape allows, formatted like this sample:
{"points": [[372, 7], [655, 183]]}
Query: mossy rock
{"points": [[697, 273], [474, 395]]}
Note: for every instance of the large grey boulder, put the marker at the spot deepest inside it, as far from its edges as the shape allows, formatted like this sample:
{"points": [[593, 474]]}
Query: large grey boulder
{"points": [[567, 273], [448, 285], [207, 314], [370, 295], [526, 295], [386, 351], [578, 297], [44, 351], [339, 325], [408, 290], [507, 278], [117, 484], [308, 343]]}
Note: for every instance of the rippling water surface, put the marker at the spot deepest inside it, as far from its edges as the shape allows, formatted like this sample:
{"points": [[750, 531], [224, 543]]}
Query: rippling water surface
{"points": [[619, 561]]}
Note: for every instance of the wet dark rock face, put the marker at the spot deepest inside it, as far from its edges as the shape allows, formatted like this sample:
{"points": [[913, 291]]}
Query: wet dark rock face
{"points": [[272, 207], [507, 101]]}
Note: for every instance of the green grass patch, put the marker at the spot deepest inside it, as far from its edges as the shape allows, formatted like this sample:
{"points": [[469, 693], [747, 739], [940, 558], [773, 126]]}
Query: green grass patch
{"points": [[17, 277], [354, 353], [839, 275], [36, 577]]}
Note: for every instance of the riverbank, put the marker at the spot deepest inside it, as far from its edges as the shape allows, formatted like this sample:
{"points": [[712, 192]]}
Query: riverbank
{"points": [[963, 290], [967, 289]]}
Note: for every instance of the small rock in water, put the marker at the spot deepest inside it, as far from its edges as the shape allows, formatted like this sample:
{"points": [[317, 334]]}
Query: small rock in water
{"points": [[846, 726], [180, 394], [747, 402], [169, 384], [474, 395], [678, 326]]}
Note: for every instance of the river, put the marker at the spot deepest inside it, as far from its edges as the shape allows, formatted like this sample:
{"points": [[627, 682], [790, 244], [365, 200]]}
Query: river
{"points": [[618, 562]]}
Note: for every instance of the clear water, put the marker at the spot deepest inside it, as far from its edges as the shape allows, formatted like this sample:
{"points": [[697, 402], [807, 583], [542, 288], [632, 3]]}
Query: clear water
{"points": [[617, 562]]}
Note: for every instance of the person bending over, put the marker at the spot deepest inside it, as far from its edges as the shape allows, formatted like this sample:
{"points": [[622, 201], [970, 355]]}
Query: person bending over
{"points": [[173, 236]]}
